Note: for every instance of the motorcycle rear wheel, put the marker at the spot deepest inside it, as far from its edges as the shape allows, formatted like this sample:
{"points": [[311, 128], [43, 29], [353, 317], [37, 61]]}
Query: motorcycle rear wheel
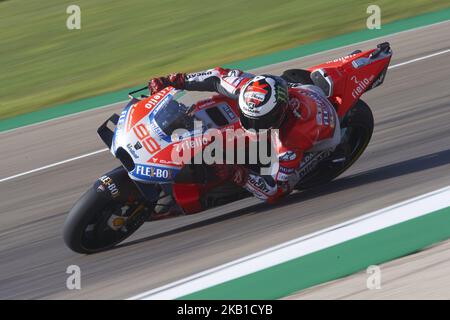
{"points": [[358, 125]]}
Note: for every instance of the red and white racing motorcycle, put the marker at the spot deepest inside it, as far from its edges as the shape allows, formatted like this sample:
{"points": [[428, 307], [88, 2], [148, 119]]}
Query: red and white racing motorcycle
{"points": [[149, 184]]}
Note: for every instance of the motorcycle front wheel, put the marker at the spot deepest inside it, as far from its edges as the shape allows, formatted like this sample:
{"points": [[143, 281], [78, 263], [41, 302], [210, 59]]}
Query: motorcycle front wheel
{"points": [[97, 223]]}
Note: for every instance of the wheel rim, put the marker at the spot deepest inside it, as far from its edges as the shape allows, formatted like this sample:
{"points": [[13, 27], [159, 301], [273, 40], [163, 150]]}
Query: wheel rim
{"points": [[355, 140], [97, 233], [353, 143]]}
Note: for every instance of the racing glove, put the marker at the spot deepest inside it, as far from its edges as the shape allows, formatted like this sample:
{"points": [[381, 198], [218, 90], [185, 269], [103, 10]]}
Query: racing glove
{"points": [[175, 80]]}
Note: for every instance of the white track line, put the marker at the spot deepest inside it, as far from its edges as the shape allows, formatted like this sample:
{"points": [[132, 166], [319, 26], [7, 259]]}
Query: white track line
{"points": [[304, 245], [53, 165], [419, 59], [106, 149]]}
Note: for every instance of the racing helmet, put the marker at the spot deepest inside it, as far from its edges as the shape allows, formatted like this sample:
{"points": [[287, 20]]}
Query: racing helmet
{"points": [[263, 102]]}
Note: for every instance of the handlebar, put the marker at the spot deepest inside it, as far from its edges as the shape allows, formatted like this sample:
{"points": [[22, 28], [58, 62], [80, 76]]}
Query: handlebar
{"points": [[130, 94]]}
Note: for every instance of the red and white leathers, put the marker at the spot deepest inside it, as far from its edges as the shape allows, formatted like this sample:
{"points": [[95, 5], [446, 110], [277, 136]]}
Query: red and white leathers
{"points": [[311, 125]]}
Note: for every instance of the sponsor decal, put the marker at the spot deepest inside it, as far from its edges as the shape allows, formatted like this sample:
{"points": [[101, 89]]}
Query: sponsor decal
{"points": [[229, 112], [379, 80], [118, 132], [205, 103], [332, 118], [153, 172], [123, 116], [193, 143], [138, 145], [162, 161], [286, 170], [109, 184], [319, 117], [162, 104], [257, 93], [234, 81], [156, 98], [324, 114], [156, 129], [282, 177], [200, 75], [132, 151], [140, 110], [323, 107], [326, 117], [234, 73], [318, 98], [259, 183], [310, 163], [281, 93], [287, 156], [306, 158], [131, 120], [342, 59], [361, 85], [254, 99]]}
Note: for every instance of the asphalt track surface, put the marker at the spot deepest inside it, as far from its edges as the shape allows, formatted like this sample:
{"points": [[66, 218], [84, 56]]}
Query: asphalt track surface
{"points": [[409, 155]]}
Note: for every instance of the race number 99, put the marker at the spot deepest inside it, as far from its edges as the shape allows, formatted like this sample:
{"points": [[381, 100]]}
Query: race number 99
{"points": [[147, 140]]}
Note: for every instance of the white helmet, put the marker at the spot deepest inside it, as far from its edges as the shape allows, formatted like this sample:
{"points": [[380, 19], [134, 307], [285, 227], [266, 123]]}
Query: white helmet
{"points": [[263, 102]]}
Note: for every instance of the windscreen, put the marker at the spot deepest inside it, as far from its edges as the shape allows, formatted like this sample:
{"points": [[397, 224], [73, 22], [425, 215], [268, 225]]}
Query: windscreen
{"points": [[173, 116]]}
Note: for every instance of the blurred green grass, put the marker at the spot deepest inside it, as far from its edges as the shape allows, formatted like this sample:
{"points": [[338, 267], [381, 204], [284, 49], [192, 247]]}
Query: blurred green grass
{"points": [[124, 43]]}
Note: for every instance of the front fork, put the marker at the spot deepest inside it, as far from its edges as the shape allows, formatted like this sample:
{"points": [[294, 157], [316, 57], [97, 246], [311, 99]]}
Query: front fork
{"points": [[137, 200]]}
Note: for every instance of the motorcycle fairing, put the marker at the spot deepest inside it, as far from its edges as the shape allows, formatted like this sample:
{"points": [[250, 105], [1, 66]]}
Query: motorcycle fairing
{"points": [[150, 148], [345, 79]]}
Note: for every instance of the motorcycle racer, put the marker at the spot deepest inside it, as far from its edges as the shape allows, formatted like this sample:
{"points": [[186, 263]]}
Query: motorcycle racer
{"points": [[171, 152], [305, 118]]}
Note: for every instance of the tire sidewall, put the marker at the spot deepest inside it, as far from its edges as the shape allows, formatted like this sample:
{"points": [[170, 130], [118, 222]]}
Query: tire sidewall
{"points": [[90, 204]]}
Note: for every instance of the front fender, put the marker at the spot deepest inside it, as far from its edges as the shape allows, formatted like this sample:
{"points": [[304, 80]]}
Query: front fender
{"points": [[117, 185]]}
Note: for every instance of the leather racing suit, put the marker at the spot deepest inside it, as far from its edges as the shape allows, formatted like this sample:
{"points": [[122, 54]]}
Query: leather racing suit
{"points": [[311, 125]]}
